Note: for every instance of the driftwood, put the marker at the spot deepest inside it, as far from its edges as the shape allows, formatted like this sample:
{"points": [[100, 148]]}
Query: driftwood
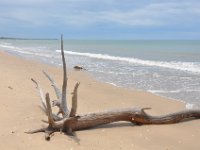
{"points": [[70, 122], [79, 67]]}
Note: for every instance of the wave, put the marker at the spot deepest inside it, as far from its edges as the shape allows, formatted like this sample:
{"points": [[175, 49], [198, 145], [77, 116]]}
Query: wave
{"points": [[192, 106], [178, 65], [7, 45], [163, 91], [174, 91], [193, 67], [19, 50]]}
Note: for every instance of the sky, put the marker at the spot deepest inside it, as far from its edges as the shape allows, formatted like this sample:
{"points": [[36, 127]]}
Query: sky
{"points": [[101, 19]]}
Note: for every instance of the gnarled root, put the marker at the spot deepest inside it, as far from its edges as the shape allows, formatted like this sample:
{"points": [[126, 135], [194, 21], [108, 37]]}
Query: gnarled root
{"points": [[133, 115]]}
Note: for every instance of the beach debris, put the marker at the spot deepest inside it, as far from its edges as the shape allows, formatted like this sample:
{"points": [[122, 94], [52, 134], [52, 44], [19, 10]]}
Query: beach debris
{"points": [[11, 88], [77, 67], [69, 121]]}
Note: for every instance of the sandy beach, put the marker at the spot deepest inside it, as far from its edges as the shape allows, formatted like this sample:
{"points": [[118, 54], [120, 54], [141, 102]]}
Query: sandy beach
{"points": [[20, 112]]}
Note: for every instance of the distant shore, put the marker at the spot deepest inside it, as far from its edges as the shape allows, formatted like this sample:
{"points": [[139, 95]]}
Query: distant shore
{"points": [[13, 38], [20, 112]]}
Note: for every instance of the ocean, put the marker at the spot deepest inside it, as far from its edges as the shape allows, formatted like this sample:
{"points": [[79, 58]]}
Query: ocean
{"points": [[169, 68]]}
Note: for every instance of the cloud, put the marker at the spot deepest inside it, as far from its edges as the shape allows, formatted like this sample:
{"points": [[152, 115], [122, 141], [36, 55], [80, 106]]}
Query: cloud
{"points": [[151, 14], [86, 13]]}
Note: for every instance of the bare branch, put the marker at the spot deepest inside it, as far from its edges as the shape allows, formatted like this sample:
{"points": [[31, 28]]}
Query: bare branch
{"points": [[36, 131], [49, 111], [56, 89], [43, 101], [143, 110], [144, 118], [74, 100], [64, 86], [58, 93], [44, 108]]}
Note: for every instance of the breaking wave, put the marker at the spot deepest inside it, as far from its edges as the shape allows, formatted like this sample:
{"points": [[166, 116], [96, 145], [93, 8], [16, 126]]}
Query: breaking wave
{"points": [[193, 67]]}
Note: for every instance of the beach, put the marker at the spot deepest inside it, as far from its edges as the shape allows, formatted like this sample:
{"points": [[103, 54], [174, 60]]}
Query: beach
{"points": [[165, 68], [20, 112]]}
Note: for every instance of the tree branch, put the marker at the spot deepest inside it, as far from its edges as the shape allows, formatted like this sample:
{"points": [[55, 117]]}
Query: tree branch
{"points": [[64, 86], [36, 131], [43, 101], [176, 117], [56, 89], [74, 100], [44, 108], [49, 111]]}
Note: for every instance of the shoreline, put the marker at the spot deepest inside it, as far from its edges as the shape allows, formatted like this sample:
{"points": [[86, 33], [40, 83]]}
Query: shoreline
{"points": [[98, 80], [20, 112], [179, 84]]}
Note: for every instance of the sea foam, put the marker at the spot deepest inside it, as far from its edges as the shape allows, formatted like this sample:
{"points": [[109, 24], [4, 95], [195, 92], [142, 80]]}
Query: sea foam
{"points": [[193, 67]]}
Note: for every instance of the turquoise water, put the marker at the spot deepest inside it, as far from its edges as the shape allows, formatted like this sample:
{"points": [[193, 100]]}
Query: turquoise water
{"points": [[167, 68]]}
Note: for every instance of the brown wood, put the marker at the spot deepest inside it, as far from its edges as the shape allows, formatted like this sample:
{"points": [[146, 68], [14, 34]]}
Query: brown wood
{"points": [[74, 100], [133, 115]]}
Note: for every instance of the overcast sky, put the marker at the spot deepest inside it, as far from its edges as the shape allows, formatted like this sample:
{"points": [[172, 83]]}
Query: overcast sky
{"points": [[101, 19]]}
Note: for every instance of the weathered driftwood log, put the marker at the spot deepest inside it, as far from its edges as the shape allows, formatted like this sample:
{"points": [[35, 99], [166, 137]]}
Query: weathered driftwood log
{"points": [[133, 115], [70, 122]]}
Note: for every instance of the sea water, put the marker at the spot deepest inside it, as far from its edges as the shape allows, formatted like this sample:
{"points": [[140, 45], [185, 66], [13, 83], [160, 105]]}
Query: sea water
{"points": [[163, 67]]}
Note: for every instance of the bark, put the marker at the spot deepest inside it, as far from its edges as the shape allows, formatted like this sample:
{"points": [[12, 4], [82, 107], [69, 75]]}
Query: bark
{"points": [[49, 111], [74, 100], [64, 107], [53, 83], [44, 108], [57, 92], [132, 115]]}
